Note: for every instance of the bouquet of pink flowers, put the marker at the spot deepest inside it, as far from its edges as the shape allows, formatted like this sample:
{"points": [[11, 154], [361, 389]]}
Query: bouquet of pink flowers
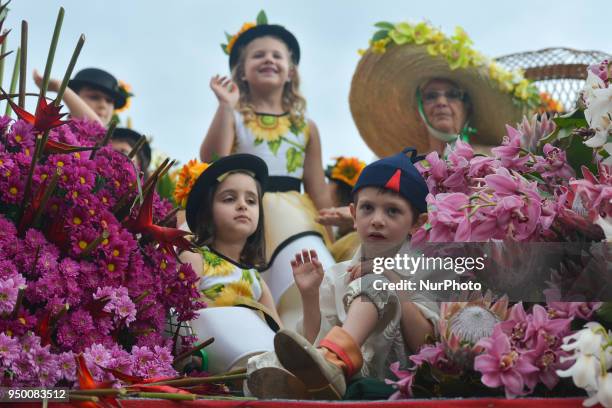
{"points": [[550, 180], [87, 261]]}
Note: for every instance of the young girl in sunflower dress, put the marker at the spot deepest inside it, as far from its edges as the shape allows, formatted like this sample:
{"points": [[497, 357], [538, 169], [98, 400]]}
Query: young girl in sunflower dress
{"points": [[224, 211], [261, 112]]}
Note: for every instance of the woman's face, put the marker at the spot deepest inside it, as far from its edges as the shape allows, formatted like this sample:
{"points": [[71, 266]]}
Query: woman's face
{"points": [[267, 63], [236, 207], [444, 105]]}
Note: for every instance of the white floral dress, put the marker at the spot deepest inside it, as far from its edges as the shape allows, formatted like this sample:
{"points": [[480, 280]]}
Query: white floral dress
{"points": [[289, 215]]}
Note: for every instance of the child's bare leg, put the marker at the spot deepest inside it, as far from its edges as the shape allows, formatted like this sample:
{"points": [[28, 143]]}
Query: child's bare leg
{"points": [[415, 327], [361, 320]]}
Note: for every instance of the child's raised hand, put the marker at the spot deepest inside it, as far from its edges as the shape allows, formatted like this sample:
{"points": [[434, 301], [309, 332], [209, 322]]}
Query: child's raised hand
{"points": [[225, 90], [307, 272], [339, 216], [53, 86]]}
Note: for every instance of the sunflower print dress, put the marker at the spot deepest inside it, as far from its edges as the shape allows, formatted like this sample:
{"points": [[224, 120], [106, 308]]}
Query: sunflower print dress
{"points": [[289, 215], [223, 282]]}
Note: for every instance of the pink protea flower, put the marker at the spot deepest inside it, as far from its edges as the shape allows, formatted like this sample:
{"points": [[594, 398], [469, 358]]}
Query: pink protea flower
{"points": [[503, 366]]}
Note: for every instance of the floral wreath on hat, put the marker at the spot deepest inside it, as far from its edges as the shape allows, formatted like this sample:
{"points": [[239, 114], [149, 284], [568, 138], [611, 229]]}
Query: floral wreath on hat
{"points": [[186, 178], [125, 90], [457, 51], [345, 169], [231, 39]]}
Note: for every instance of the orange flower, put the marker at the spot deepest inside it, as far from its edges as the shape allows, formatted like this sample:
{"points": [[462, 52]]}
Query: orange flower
{"points": [[232, 41], [549, 104], [186, 178], [347, 169]]}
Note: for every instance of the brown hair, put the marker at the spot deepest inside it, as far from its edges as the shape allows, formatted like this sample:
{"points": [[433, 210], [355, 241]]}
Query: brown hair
{"points": [[292, 100], [253, 253]]}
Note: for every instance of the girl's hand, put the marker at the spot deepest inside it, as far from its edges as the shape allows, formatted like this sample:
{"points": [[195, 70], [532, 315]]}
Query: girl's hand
{"points": [[359, 269], [307, 272], [53, 86], [225, 90], [339, 216]]}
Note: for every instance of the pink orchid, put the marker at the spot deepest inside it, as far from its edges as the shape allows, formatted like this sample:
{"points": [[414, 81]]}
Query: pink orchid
{"points": [[404, 382], [582, 310], [508, 152], [516, 324], [547, 359], [501, 365], [540, 324]]}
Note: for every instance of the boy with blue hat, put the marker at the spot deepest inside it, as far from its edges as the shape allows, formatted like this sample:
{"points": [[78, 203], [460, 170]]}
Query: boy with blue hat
{"points": [[356, 327]]}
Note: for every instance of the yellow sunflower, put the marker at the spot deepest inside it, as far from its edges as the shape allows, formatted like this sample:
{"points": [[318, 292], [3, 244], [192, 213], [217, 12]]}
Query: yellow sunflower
{"points": [[126, 90], [232, 292], [186, 178], [269, 128], [214, 265], [232, 41], [347, 169]]}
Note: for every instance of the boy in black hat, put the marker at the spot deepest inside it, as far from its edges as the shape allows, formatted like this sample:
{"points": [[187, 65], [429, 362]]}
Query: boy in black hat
{"points": [[355, 324], [92, 94]]}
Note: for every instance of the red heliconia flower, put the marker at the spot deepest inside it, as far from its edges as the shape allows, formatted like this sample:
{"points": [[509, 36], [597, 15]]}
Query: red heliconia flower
{"points": [[166, 237], [52, 147], [44, 329], [87, 382], [46, 118]]}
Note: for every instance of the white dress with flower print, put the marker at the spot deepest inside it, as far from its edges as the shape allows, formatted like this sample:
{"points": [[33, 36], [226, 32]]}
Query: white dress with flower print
{"points": [[289, 216]]}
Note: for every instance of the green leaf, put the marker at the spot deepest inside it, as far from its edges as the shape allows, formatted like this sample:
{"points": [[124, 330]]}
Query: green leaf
{"points": [[572, 119], [224, 48], [295, 159], [380, 34], [228, 36], [262, 18], [165, 188], [604, 314], [579, 154], [274, 145], [385, 25], [246, 276], [258, 142]]}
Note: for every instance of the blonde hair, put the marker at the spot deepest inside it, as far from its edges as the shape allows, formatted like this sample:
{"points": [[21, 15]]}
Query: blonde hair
{"points": [[292, 99]]}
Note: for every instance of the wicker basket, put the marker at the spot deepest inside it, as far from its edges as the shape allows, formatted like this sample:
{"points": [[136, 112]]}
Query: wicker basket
{"points": [[560, 72]]}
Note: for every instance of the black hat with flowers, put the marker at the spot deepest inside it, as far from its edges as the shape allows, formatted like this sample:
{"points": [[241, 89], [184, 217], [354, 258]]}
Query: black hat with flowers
{"points": [[101, 80], [397, 173], [213, 175], [261, 28]]}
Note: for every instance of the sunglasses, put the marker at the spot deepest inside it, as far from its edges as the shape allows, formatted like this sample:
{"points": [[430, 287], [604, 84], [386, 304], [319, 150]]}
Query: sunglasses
{"points": [[451, 95]]}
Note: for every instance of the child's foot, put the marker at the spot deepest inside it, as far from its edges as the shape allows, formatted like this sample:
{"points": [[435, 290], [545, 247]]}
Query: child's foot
{"points": [[323, 379], [276, 383]]}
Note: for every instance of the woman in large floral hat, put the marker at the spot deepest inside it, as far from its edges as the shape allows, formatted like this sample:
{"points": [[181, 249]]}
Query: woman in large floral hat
{"points": [[417, 87]]}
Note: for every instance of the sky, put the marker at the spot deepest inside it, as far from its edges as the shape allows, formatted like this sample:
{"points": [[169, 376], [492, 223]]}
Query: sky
{"points": [[168, 51]]}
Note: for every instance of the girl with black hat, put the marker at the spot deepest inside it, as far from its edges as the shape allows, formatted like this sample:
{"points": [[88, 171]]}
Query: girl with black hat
{"points": [[261, 111], [92, 94], [224, 211]]}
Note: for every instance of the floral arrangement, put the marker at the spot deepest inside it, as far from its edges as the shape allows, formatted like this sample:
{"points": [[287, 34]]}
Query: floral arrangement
{"points": [[346, 169], [88, 269], [231, 39], [457, 51], [529, 190], [125, 89]]}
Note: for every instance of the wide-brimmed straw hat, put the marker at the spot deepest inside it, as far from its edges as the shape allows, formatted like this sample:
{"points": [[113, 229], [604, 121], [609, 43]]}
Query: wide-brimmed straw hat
{"points": [[383, 96]]}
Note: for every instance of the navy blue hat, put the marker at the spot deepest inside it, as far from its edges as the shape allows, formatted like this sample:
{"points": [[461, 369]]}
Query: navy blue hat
{"points": [[397, 173], [101, 80]]}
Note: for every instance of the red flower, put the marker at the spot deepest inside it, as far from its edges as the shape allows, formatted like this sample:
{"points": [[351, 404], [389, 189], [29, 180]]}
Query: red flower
{"points": [[46, 118], [166, 237]]}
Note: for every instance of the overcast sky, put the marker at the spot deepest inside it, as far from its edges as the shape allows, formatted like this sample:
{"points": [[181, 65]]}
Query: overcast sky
{"points": [[168, 51]]}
